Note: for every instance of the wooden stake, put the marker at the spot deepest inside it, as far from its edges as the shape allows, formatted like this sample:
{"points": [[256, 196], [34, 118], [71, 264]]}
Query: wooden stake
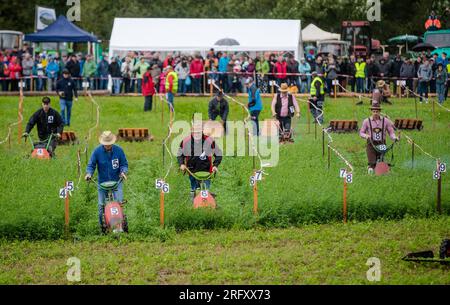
{"points": [[20, 115], [323, 143], [415, 105], [66, 209], [315, 130], [335, 91], [439, 190], [344, 210], [433, 115], [162, 111], [161, 209], [412, 154], [329, 156], [308, 117], [255, 197]]}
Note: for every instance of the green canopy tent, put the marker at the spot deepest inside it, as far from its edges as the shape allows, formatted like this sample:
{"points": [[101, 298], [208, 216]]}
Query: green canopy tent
{"points": [[403, 39]]}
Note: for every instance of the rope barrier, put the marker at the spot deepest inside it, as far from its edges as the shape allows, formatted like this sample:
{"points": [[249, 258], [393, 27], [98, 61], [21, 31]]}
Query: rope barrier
{"points": [[169, 133]]}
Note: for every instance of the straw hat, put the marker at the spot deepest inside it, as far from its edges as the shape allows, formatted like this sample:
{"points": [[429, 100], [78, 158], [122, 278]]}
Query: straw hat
{"points": [[107, 138], [284, 87], [380, 83], [375, 106]]}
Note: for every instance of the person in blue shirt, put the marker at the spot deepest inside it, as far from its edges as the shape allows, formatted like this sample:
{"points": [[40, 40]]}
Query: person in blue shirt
{"points": [[223, 78], [111, 164], [255, 104]]}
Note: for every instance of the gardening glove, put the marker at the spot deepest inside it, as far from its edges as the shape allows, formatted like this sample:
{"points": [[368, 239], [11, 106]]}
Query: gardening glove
{"points": [[183, 167], [87, 177], [123, 176], [58, 135], [215, 169], [25, 134]]}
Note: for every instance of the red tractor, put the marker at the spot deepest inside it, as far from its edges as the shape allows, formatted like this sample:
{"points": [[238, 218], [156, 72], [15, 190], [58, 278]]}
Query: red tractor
{"points": [[359, 34]]}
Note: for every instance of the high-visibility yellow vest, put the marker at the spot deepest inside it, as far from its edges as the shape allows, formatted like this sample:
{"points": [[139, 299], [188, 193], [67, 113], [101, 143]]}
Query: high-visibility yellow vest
{"points": [[360, 69], [448, 68], [313, 86], [175, 82]]}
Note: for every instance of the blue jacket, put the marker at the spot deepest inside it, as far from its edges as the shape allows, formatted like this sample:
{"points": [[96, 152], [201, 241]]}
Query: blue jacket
{"points": [[256, 98], [52, 67], [223, 63], [109, 164]]}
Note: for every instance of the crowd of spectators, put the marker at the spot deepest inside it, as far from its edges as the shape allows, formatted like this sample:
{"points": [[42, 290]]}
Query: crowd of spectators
{"points": [[229, 70]]}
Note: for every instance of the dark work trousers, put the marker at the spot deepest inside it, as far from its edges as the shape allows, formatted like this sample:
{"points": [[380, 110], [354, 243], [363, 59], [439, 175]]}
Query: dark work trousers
{"points": [[148, 103], [254, 115], [224, 120], [285, 124], [372, 154]]}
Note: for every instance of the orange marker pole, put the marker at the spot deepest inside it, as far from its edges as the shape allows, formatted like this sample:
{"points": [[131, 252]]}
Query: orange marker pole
{"points": [[67, 209], [255, 198], [309, 120], [162, 111], [19, 126], [161, 208], [345, 201], [335, 91]]}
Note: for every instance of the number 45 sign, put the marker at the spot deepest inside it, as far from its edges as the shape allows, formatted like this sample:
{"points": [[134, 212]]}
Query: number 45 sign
{"points": [[63, 192]]}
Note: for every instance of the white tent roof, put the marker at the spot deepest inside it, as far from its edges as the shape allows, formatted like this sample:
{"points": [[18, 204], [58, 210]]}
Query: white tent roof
{"points": [[313, 33], [165, 34]]}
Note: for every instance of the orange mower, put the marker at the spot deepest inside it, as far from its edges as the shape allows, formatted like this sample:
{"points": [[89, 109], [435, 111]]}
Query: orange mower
{"points": [[203, 198]]}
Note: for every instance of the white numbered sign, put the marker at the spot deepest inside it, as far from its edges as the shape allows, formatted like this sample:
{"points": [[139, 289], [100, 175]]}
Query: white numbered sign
{"points": [[382, 147], [349, 178], [377, 136], [85, 84], [40, 152], [204, 194], [436, 175], [209, 82], [335, 82], [114, 211], [62, 193], [252, 180], [21, 84], [70, 186], [158, 184], [258, 175], [165, 188], [442, 167], [342, 173]]}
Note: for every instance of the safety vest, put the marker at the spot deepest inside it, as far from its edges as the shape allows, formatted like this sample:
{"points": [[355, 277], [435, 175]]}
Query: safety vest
{"points": [[175, 82], [448, 68], [360, 69], [313, 86]]}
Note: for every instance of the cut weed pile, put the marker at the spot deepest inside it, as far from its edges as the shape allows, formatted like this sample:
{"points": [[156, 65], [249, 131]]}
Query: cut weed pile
{"points": [[299, 190]]}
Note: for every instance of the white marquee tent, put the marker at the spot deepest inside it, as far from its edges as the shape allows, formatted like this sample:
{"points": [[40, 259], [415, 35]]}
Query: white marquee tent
{"points": [[190, 35], [313, 33]]}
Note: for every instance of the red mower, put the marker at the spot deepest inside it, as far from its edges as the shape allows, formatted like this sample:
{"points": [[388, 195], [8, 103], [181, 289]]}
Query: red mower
{"points": [[382, 167], [203, 198], [114, 218], [42, 149]]}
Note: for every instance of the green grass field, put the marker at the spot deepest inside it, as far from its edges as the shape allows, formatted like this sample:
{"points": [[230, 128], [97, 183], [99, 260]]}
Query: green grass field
{"points": [[298, 194]]}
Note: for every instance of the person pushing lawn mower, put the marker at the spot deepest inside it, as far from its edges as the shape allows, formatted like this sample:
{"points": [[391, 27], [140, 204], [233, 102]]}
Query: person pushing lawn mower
{"points": [[374, 129], [112, 166], [218, 107], [198, 153], [284, 107], [49, 122]]}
